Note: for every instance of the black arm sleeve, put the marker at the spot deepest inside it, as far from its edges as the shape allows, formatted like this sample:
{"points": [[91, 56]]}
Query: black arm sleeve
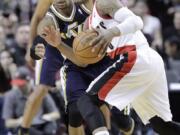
{"points": [[37, 40]]}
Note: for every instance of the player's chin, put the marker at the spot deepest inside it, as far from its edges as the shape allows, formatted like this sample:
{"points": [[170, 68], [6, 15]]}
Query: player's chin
{"points": [[62, 6]]}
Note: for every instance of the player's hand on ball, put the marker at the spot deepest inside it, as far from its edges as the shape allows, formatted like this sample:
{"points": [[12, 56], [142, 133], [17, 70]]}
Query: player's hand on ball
{"points": [[52, 36], [103, 39], [40, 50]]}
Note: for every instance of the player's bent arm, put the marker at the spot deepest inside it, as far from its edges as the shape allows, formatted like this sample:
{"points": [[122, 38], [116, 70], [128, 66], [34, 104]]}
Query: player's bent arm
{"points": [[128, 21], [47, 22], [68, 52]]}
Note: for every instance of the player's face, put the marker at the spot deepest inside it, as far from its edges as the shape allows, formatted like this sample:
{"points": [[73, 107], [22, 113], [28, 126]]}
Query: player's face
{"points": [[62, 3], [141, 8], [177, 20], [5, 59]]}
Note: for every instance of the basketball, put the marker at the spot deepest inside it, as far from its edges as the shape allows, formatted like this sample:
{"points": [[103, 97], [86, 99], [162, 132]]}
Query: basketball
{"points": [[82, 49]]}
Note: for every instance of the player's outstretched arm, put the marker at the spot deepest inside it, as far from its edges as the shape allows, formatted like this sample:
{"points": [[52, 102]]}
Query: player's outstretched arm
{"points": [[41, 9], [53, 37], [51, 34]]}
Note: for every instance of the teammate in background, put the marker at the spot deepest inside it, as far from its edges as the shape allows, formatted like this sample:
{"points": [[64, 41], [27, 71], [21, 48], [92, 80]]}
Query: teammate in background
{"points": [[131, 75], [69, 18], [41, 9]]}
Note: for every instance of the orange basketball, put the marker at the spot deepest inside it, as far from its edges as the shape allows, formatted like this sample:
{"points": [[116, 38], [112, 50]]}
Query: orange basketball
{"points": [[82, 49]]}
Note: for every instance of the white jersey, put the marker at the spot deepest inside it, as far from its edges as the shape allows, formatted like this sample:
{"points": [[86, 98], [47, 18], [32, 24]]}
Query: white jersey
{"points": [[137, 38], [138, 81]]}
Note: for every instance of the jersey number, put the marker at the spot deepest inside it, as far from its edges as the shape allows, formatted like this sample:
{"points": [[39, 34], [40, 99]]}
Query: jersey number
{"points": [[74, 29]]}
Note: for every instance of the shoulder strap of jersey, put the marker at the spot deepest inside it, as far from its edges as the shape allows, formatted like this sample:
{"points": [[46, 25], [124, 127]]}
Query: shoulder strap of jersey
{"points": [[64, 18], [51, 15]]}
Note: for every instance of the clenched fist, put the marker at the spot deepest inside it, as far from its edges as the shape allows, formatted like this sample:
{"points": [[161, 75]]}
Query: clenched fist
{"points": [[40, 50]]}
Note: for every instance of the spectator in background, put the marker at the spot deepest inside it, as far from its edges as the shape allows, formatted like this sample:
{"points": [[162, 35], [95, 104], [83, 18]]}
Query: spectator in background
{"points": [[175, 6], [172, 48], [173, 30], [7, 70], [7, 67], [24, 10], [2, 38], [45, 121], [19, 47], [152, 25], [8, 22]]}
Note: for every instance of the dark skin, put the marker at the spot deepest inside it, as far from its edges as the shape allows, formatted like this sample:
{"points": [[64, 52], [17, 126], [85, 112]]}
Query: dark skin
{"points": [[38, 24], [105, 7], [41, 9]]}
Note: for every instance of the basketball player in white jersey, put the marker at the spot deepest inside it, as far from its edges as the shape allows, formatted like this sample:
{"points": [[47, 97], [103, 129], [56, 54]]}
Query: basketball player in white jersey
{"points": [[141, 80], [137, 76]]}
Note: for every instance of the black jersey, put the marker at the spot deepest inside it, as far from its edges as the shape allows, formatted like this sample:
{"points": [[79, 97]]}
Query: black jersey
{"points": [[69, 26]]}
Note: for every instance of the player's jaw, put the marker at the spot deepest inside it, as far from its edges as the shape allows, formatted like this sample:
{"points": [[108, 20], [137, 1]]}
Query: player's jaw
{"points": [[62, 3]]}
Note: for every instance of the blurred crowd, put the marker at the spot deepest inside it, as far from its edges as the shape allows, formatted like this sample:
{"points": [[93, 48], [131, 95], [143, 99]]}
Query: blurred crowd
{"points": [[161, 27]]}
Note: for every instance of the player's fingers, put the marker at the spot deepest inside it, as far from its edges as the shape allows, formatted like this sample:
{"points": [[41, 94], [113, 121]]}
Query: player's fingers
{"points": [[40, 54], [100, 43], [95, 42], [52, 29], [103, 50], [39, 50], [46, 30], [99, 37], [88, 38], [45, 37], [40, 46]]}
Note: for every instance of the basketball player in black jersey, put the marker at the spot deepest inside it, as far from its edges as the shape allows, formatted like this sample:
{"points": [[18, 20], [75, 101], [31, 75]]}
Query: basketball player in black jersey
{"points": [[67, 17]]}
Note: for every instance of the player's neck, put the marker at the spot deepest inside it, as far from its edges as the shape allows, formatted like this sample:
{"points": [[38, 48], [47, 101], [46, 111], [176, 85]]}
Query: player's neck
{"points": [[65, 11], [88, 4]]}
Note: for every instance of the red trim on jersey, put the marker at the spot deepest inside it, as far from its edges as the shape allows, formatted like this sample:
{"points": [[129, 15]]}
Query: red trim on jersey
{"points": [[126, 48], [132, 55]]}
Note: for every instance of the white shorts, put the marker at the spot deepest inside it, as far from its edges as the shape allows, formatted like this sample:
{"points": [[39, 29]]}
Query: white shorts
{"points": [[144, 86]]}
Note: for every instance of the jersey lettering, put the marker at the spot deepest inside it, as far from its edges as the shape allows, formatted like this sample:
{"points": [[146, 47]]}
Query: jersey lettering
{"points": [[73, 30]]}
